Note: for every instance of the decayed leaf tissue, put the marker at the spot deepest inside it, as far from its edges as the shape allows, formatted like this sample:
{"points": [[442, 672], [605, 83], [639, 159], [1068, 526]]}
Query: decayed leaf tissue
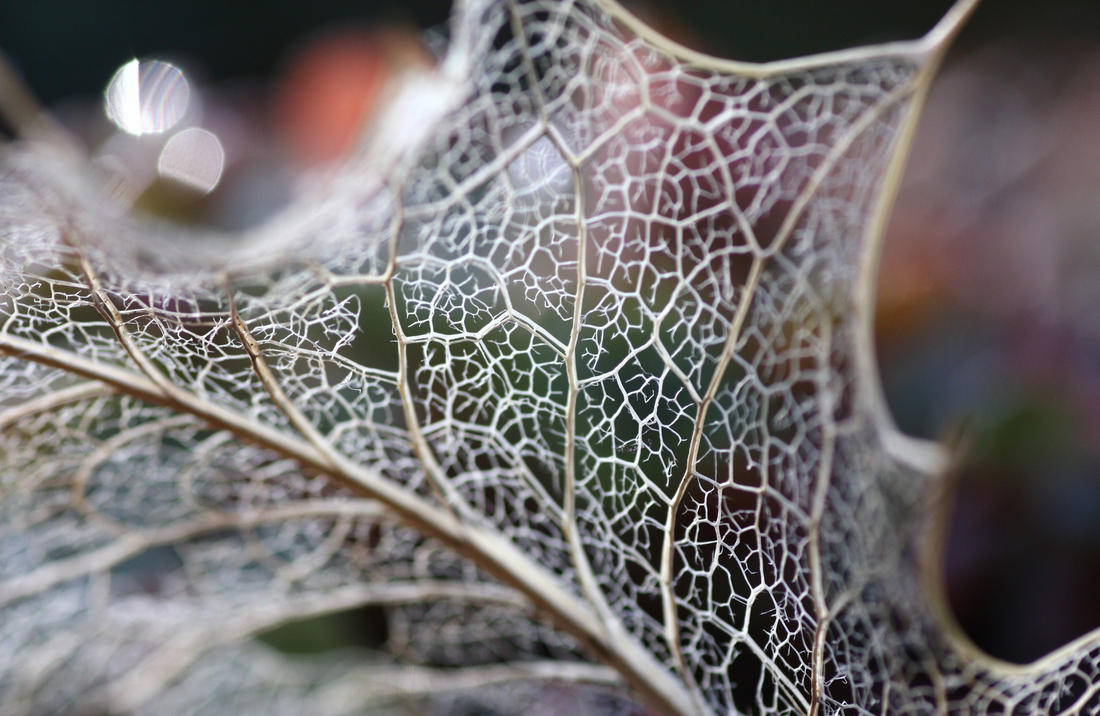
{"points": [[569, 369]]}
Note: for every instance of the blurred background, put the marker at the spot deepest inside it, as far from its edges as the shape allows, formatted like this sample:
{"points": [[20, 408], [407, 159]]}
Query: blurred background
{"points": [[989, 302]]}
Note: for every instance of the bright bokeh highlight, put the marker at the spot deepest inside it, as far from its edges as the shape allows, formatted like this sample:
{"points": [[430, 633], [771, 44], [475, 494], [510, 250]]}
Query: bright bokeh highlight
{"points": [[193, 157], [147, 97]]}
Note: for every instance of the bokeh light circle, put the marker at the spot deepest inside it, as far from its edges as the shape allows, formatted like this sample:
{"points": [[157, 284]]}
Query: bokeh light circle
{"points": [[147, 97], [193, 157]]}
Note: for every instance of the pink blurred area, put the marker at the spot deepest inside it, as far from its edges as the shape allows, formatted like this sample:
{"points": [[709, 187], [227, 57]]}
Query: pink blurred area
{"points": [[333, 83]]}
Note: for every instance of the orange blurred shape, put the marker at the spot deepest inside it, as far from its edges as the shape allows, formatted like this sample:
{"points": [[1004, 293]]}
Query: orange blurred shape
{"points": [[333, 84]]}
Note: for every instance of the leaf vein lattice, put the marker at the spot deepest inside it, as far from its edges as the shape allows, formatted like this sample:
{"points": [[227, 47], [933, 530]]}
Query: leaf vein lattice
{"points": [[571, 364]]}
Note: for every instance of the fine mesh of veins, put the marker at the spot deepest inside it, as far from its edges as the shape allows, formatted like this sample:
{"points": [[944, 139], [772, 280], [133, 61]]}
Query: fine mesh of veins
{"points": [[575, 370]]}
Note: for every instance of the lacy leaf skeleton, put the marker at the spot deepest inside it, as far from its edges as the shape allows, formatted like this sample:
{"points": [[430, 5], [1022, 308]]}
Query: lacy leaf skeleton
{"points": [[622, 427]]}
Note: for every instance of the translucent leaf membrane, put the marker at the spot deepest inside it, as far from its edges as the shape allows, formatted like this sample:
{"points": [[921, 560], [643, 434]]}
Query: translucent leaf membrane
{"points": [[571, 363]]}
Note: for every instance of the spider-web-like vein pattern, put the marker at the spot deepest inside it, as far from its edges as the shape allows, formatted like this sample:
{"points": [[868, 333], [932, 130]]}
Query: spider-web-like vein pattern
{"points": [[606, 310]]}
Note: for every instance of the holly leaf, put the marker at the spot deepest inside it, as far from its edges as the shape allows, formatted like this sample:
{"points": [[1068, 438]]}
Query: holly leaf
{"points": [[570, 370]]}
